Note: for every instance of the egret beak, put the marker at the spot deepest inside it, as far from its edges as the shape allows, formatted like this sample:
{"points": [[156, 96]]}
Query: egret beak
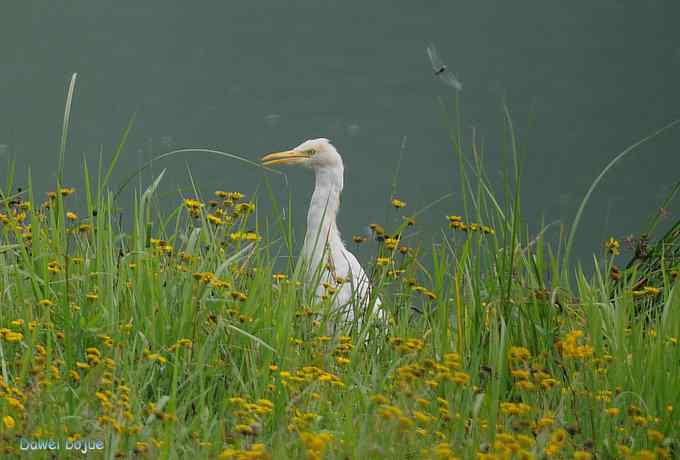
{"points": [[288, 157]]}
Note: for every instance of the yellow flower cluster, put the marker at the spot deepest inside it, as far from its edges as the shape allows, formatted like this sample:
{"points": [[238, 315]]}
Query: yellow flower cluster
{"points": [[10, 336], [250, 414], [116, 409], [391, 243], [426, 292], [383, 261], [308, 374], [162, 246], [223, 211], [234, 314], [218, 218], [527, 378], [210, 279], [232, 196], [16, 218], [315, 443], [301, 421], [279, 277], [456, 222], [431, 373], [571, 348], [441, 451], [645, 291], [511, 408], [344, 347], [181, 343], [154, 357], [194, 207], [52, 196], [406, 345], [256, 451], [14, 400], [518, 354], [558, 438], [244, 236], [507, 445]]}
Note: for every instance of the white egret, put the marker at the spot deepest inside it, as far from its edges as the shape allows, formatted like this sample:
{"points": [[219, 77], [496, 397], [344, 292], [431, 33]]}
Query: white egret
{"points": [[326, 259]]}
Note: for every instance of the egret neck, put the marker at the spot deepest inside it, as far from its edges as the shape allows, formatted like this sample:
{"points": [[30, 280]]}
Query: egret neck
{"points": [[322, 230]]}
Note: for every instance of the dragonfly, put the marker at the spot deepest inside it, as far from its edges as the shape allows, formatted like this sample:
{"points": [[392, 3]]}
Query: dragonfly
{"points": [[441, 71]]}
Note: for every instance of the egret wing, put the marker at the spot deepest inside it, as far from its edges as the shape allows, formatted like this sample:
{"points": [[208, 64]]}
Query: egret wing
{"points": [[450, 79], [359, 281], [435, 60]]}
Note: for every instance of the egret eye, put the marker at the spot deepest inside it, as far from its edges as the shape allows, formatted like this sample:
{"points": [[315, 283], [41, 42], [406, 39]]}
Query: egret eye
{"points": [[311, 152]]}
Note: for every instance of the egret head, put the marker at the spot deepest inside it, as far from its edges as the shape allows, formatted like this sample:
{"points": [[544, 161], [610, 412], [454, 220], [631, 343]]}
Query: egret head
{"points": [[313, 153]]}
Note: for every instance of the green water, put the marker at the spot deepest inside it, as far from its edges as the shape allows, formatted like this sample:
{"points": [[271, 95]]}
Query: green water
{"points": [[582, 81]]}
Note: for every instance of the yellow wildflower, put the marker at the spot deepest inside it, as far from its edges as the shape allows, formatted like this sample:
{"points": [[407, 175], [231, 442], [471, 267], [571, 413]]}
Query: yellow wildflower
{"points": [[422, 417], [382, 261], [13, 336], [613, 246], [54, 267], [559, 436], [398, 203], [156, 357], [655, 435], [520, 373], [341, 360], [9, 422], [215, 220], [545, 422], [549, 383], [245, 430], [519, 353], [391, 243], [646, 454], [613, 411], [525, 385], [461, 378], [388, 411], [74, 375], [192, 204], [380, 399]]}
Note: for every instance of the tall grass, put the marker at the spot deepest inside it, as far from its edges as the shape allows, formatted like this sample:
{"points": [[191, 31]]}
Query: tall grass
{"points": [[177, 338]]}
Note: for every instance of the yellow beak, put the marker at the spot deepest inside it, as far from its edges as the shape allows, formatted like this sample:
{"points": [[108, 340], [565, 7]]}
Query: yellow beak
{"points": [[288, 157]]}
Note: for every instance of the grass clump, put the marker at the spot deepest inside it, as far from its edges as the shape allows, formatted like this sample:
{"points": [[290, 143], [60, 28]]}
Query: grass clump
{"points": [[183, 337]]}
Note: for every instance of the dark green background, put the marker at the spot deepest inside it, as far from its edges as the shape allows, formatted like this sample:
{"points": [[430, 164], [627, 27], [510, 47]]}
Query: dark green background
{"points": [[583, 80]]}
